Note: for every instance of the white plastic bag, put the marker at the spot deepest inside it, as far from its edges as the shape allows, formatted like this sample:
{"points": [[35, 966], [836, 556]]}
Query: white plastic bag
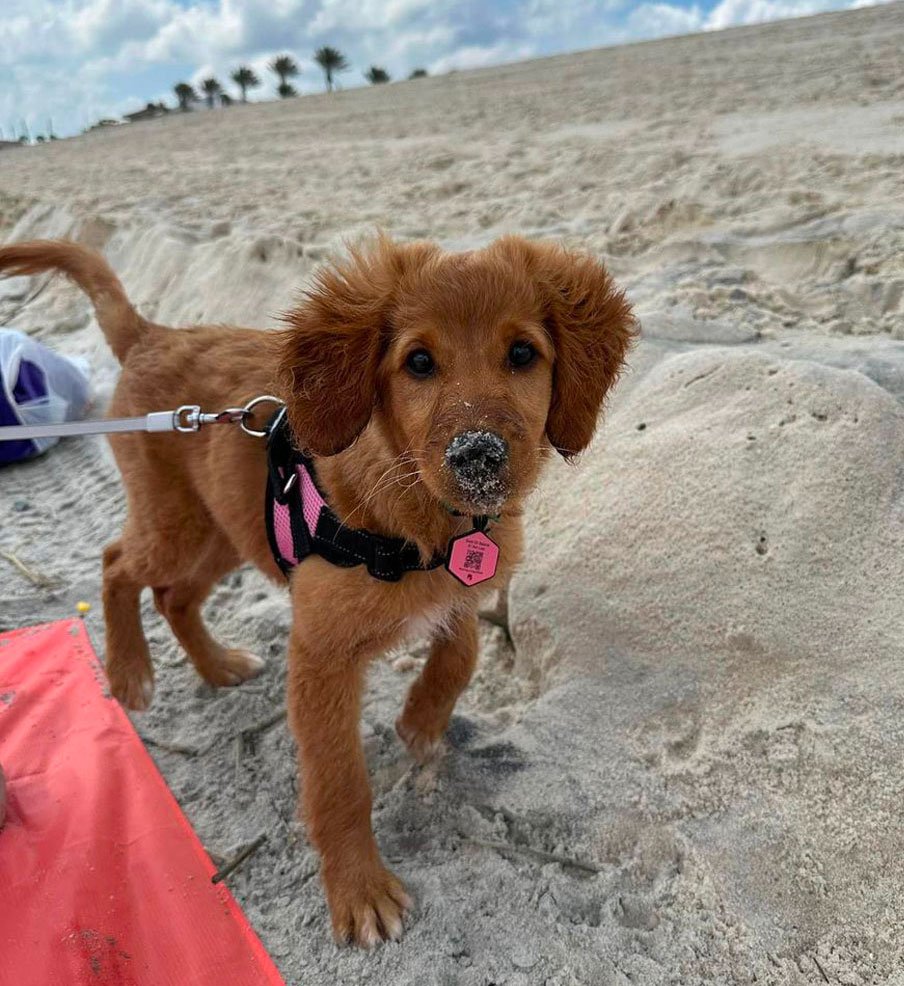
{"points": [[37, 386]]}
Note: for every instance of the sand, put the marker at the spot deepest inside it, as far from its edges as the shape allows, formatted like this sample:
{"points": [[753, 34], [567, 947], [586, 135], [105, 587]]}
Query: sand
{"points": [[682, 761]]}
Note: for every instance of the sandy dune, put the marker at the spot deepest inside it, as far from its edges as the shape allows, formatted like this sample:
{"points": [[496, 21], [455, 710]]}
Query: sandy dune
{"points": [[685, 763]]}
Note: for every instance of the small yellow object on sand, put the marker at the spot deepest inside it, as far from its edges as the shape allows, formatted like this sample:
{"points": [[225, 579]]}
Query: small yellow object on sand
{"points": [[83, 608]]}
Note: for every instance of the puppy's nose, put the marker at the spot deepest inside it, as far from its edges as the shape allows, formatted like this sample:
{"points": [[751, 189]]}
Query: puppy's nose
{"points": [[477, 455]]}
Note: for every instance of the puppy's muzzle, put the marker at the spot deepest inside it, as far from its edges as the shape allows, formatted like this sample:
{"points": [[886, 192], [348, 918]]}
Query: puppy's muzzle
{"points": [[477, 460]]}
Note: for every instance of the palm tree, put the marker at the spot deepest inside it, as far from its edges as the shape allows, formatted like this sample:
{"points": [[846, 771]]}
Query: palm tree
{"points": [[375, 75], [418, 73], [185, 94], [286, 68], [211, 89], [245, 79], [332, 62]]}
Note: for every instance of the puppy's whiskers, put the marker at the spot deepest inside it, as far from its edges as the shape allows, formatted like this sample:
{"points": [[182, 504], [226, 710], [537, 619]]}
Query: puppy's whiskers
{"points": [[381, 485], [405, 487], [404, 459], [394, 462]]}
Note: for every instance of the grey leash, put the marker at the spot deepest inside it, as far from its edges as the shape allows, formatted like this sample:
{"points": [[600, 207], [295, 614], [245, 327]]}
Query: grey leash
{"points": [[186, 419]]}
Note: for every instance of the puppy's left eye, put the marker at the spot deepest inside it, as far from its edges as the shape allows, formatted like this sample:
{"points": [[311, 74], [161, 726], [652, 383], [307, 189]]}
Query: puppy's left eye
{"points": [[521, 354]]}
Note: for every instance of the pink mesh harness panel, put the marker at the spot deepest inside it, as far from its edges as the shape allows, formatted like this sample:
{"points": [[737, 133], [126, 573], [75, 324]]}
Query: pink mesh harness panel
{"points": [[311, 505]]}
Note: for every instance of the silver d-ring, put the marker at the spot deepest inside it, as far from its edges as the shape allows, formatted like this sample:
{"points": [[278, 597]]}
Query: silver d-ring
{"points": [[249, 407]]}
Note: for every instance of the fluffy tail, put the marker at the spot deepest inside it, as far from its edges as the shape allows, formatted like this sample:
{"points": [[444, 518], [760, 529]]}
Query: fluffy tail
{"points": [[121, 324]]}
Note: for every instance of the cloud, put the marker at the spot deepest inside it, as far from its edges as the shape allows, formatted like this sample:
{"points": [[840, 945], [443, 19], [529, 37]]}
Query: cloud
{"points": [[660, 19], [730, 13], [76, 60], [367, 15], [102, 24]]}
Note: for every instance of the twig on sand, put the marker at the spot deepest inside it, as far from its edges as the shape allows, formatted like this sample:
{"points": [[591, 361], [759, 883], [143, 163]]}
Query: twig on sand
{"points": [[36, 578], [542, 855], [260, 727], [215, 857], [822, 971], [183, 748], [246, 739], [238, 859]]}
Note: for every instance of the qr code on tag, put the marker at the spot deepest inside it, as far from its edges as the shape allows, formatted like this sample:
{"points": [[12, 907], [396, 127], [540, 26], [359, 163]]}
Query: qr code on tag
{"points": [[473, 560]]}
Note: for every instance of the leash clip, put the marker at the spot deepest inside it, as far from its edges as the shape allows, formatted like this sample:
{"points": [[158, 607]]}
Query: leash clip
{"points": [[189, 417]]}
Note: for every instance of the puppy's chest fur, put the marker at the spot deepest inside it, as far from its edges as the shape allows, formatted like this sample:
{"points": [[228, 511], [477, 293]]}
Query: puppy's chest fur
{"points": [[435, 620]]}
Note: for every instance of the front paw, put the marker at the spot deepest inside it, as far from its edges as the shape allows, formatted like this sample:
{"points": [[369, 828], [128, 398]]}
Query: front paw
{"points": [[131, 683], [367, 905], [424, 742]]}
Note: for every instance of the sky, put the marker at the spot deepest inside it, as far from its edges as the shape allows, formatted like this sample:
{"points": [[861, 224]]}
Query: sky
{"points": [[74, 61]]}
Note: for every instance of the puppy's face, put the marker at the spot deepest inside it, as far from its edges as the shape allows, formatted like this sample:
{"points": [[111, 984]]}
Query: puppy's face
{"points": [[465, 384], [471, 366]]}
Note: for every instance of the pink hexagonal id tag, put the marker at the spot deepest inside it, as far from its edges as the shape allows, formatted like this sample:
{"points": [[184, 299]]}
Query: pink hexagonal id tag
{"points": [[472, 557]]}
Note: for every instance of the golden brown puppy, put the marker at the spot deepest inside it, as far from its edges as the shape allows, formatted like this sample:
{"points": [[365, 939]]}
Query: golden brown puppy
{"points": [[423, 383]]}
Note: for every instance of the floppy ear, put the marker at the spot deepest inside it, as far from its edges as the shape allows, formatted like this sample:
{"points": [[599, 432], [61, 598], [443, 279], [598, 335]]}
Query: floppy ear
{"points": [[335, 340], [591, 326]]}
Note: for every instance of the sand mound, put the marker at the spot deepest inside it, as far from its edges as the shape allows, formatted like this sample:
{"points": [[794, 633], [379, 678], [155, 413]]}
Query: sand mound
{"points": [[726, 486], [723, 625]]}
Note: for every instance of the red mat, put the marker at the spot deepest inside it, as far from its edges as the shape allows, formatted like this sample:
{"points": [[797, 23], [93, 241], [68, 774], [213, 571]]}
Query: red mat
{"points": [[102, 880]]}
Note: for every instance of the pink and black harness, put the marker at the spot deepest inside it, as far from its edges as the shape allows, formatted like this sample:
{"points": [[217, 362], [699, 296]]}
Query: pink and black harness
{"points": [[300, 523]]}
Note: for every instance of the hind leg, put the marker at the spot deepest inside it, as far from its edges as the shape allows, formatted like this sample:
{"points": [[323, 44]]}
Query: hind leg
{"points": [[139, 560], [172, 544], [128, 660], [181, 604], [180, 600]]}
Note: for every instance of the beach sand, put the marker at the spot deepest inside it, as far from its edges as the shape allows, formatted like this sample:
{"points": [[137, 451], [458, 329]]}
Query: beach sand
{"points": [[685, 762]]}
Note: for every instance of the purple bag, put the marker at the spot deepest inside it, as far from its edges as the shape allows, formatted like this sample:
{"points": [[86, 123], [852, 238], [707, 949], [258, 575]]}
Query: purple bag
{"points": [[37, 386]]}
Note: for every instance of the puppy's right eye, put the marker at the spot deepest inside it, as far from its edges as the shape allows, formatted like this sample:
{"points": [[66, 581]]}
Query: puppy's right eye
{"points": [[420, 364]]}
